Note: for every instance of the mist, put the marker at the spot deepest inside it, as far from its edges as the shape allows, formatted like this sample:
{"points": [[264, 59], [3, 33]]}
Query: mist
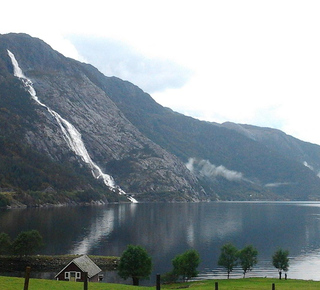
{"points": [[207, 169]]}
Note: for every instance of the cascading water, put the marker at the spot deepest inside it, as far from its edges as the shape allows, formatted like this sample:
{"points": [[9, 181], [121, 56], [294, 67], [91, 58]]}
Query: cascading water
{"points": [[70, 133]]}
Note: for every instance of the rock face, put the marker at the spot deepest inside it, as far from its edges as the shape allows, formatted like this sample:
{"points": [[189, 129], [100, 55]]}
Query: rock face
{"points": [[151, 152], [292, 148], [137, 164]]}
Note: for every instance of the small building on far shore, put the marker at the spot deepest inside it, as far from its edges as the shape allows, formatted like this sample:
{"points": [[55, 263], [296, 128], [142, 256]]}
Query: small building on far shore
{"points": [[75, 270]]}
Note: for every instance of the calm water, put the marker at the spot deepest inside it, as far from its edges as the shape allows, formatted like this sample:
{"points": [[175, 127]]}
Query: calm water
{"points": [[166, 230]]}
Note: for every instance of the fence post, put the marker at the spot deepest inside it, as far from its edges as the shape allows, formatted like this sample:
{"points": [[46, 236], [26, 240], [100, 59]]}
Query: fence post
{"points": [[158, 282], [273, 286], [216, 286], [26, 278], [85, 282]]}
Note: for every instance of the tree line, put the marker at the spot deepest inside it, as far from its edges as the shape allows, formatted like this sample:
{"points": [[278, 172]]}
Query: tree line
{"points": [[230, 257], [136, 263], [26, 243]]}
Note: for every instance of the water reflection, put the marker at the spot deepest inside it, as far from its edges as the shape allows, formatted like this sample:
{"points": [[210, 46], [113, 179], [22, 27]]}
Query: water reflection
{"points": [[166, 230], [100, 227]]}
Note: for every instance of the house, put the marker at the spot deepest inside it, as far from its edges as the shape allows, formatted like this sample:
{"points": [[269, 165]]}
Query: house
{"points": [[75, 270]]}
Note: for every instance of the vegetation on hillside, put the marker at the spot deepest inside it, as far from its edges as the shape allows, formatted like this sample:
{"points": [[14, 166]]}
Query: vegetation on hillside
{"points": [[187, 137], [266, 172]]}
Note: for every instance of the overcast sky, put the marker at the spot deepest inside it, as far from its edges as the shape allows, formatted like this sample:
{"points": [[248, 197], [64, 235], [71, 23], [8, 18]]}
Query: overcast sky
{"points": [[254, 62]]}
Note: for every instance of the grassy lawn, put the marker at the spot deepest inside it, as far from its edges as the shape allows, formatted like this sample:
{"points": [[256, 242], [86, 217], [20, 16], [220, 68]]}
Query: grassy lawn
{"points": [[248, 284], [12, 283]]}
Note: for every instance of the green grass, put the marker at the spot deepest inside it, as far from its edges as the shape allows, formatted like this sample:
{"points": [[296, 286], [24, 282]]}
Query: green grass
{"points": [[248, 284], [13, 283]]}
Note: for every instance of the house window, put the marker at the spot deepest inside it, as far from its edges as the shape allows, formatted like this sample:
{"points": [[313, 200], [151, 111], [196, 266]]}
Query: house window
{"points": [[67, 275], [78, 275]]}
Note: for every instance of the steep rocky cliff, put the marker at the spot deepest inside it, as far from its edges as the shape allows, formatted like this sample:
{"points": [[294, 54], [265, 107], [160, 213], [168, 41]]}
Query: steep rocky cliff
{"points": [[151, 152], [137, 164]]}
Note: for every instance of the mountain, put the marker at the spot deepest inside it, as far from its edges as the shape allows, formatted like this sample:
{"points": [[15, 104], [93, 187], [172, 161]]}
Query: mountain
{"points": [[226, 161], [70, 134]]}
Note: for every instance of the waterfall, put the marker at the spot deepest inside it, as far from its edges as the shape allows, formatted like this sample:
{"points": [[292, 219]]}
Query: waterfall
{"points": [[70, 133]]}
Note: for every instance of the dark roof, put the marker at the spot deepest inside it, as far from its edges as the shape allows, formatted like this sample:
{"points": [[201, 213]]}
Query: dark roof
{"points": [[85, 264]]}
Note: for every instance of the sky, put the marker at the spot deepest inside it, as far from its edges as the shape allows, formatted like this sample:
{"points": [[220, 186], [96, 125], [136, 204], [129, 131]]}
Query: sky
{"points": [[252, 62]]}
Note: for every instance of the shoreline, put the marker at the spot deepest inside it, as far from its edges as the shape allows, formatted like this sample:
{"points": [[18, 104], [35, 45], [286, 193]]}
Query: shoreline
{"points": [[50, 263], [103, 203], [61, 204]]}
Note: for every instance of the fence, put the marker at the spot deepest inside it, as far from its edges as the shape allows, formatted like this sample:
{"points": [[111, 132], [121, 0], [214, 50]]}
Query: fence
{"points": [[85, 283]]}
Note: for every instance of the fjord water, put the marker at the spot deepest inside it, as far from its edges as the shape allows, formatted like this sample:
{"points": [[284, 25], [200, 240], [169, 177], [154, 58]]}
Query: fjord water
{"points": [[166, 230]]}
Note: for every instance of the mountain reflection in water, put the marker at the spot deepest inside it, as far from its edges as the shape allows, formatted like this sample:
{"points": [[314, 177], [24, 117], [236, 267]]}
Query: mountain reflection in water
{"points": [[166, 230]]}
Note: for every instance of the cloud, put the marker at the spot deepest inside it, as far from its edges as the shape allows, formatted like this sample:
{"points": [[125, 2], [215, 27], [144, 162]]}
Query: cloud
{"points": [[305, 163], [205, 168], [277, 184], [253, 62], [115, 58]]}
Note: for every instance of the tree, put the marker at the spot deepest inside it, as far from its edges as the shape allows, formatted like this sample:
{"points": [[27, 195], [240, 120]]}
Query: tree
{"points": [[186, 264], [228, 257], [248, 258], [5, 244], [136, 263], [280, 261], [27, 243]]}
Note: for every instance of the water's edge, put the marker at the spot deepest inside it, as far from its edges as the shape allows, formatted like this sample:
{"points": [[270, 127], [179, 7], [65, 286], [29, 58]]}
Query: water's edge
{"points": [[48, 263]]}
